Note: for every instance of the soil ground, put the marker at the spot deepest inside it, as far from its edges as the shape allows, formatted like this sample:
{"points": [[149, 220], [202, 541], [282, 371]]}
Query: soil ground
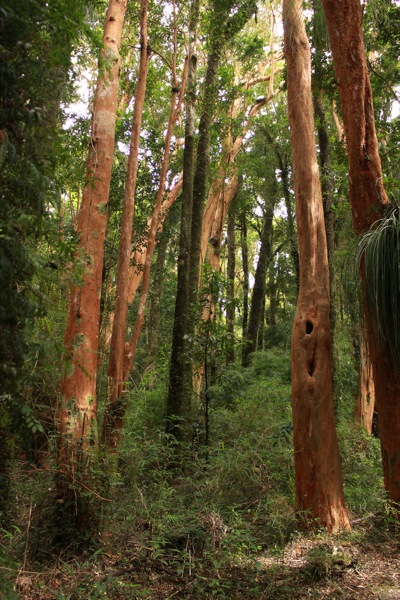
{"points": [[362, 565]]}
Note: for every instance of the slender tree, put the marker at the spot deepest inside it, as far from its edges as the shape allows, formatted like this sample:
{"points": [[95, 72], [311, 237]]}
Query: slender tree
{"points": [[181, 374], [258, 295], [155, 305], [319, 486], [112, 416], [78, 408], [246, 284]]}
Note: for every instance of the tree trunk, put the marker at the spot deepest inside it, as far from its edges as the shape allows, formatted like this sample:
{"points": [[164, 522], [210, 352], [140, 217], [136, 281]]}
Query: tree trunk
{"points": [[155, 305], [327, 187], [201, 173], [259, 284], [245, 266], [272, 295], [112, 416], [365, 403], [230, 288], [219, 38], [368, 201], [178, 398], [261, 324], [77, 414], [284, 173], [329, 217], [319, 486]]}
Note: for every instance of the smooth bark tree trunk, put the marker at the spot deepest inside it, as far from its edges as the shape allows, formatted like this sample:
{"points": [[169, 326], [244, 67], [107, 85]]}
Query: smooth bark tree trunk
{"points": [[78, 410], [250, 342], [368, 202], [138, 259], [112, 416], [365, 403], [319, 485]]}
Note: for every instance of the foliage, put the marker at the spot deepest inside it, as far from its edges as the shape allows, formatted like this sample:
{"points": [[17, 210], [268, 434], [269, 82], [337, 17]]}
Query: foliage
{"points": [[378, 257]]}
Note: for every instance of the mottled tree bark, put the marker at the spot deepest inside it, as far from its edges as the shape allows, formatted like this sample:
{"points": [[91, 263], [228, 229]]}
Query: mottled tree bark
{"points": [[179, 389], [319, 485], [113, 414], [368, 202], [223, 30], [77, 414]]}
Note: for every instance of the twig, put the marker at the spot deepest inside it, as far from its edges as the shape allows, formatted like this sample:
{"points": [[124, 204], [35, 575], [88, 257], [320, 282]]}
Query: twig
{"points": [[370, 516], [28, 527], [185, 587]]}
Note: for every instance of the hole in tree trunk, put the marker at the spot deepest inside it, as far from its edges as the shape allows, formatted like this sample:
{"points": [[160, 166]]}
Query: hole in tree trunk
{"points": [[309, 327], [311, 368]]}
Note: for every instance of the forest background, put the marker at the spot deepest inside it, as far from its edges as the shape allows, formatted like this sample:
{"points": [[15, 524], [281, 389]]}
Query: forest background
{"points": [[153, 251]]}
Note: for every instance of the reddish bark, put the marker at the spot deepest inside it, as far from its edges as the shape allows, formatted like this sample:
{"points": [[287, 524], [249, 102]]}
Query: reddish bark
{"points": [[125, 353], [115, 361], [77, 414], [365, 404], [319, 486], [154, 227], [368, 202]]}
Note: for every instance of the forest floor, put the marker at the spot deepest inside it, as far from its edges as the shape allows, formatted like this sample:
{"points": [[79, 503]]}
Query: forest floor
{"points": [[364, 564]]}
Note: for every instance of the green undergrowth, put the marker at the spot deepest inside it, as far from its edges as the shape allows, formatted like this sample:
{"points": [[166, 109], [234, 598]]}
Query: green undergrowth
{"points": [[203, 516]]}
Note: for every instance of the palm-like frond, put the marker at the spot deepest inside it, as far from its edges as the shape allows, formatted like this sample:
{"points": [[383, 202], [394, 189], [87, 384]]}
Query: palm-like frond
{"points": [[378, 256]]}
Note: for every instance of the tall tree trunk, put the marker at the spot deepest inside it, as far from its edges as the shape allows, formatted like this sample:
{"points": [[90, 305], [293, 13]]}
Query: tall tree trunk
{"points": [[77, 414], [284, 173], [201, 172], [155, 305], [259, 284], [365, 403], [327, 200], [230, 288], [294, 250], [319, 486], [327, 187], [178, 398], [219, 38], [245, 266], [112, 417], [368, 201], [272, 295], [261, 324]]}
